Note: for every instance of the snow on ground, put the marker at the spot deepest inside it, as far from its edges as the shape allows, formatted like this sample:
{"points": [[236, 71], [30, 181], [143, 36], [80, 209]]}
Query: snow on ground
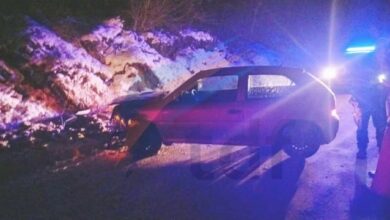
{"points": [[77, 74], [159, 38], [193, 181], [198, 36], [14, 107]]}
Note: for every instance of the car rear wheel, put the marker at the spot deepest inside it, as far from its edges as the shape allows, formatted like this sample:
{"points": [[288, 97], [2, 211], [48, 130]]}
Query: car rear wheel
{"points": [[300, 140], [149, 143]]}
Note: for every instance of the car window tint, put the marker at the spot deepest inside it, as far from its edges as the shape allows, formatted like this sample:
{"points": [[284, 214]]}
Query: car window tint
{"points": [[218, 83], [218, 88], [268, 86]]}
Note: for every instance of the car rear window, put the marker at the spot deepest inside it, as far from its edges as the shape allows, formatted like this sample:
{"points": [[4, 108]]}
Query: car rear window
{"points": [[269, 86]]}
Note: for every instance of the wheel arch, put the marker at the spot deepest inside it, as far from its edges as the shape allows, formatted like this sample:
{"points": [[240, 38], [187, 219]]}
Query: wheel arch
{"points": [[278, 133]]}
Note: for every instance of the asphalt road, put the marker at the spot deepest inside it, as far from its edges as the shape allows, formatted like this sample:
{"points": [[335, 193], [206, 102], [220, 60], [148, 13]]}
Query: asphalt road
{"points": [[189, 181]]}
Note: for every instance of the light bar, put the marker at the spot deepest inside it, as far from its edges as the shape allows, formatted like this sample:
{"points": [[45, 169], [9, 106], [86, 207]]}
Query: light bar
{"points": [[359, 50]]}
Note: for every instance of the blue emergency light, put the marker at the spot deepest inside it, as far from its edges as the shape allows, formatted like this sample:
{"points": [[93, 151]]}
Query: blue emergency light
{"points": [[360, 49]]}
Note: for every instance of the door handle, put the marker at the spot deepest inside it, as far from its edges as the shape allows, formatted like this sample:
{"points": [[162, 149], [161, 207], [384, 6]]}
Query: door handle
{"points": [[234, 111]]}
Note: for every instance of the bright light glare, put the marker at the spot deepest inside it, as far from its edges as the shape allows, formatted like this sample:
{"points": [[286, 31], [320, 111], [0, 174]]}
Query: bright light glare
{"points": [[329, 72], [382, 78], [360, 50], [335, 114]]}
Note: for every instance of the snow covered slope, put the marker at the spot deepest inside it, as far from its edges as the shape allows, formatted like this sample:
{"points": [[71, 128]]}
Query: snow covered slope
{"points": [[109, 62]]}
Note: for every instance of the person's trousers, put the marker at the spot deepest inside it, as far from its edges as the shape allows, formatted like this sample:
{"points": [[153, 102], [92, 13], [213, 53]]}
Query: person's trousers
{"points": [[379, 120]]}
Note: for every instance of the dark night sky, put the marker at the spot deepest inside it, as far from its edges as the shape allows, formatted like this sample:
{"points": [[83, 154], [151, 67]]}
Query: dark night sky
{"points": [[296, 29], [300, 29]]}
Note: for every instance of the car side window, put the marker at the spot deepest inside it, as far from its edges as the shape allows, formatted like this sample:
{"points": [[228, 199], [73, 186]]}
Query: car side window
{"points": [[218, 88], [268, 86]]}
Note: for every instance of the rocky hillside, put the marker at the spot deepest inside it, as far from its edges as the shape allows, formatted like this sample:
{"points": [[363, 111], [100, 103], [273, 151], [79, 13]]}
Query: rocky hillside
{"points": [[46, 71]]}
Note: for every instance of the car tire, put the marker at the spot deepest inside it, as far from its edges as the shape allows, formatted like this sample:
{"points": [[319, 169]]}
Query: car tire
{"points": [[300, 140], [149, 143]]}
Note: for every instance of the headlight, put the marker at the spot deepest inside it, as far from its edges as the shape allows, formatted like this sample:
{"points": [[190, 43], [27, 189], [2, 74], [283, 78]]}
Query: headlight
{"points": [[382, 78], [119, 121], [329, 73], [117, 118], [132, 123]]}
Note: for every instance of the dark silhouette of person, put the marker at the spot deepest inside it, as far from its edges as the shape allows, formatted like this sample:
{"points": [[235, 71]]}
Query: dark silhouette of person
{"points": [[369, 96]]}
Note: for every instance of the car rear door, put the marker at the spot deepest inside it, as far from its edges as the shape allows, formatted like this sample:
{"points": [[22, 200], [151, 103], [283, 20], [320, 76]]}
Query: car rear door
{"points": [[267, 104]]}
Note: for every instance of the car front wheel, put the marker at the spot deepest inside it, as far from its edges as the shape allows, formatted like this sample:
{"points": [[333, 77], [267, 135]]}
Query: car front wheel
{"points": [[300, 140], [149, 143]]}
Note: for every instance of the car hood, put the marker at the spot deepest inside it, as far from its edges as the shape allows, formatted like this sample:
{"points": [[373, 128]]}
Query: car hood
{"points": [[138, 100]]}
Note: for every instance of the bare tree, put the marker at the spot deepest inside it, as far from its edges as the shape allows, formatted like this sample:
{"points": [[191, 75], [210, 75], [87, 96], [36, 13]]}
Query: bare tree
{"points": [[148, 14]]}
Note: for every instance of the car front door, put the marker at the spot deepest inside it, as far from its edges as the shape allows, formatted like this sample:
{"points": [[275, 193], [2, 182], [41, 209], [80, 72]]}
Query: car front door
{"points": [[207, 113]]}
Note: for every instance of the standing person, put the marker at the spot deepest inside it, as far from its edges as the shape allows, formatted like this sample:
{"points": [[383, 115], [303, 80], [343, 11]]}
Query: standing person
{"points": [[369, 99]]}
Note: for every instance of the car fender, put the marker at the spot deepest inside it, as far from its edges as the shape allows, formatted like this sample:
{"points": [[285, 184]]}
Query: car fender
{"points": [[276, 132]]}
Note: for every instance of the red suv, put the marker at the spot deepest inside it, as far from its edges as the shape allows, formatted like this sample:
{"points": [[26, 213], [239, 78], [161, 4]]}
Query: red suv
{"points": [[276, 106]]}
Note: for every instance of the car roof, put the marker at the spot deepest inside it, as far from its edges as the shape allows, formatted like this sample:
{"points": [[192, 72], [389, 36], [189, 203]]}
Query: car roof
{"points": [[250, 69], [298, 75]]}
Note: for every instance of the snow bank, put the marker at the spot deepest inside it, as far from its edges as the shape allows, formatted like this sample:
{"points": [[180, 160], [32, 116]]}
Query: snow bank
{"points": [[171, 58], [198, 35], [16, 108], [72, 70], [109, 62]]}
